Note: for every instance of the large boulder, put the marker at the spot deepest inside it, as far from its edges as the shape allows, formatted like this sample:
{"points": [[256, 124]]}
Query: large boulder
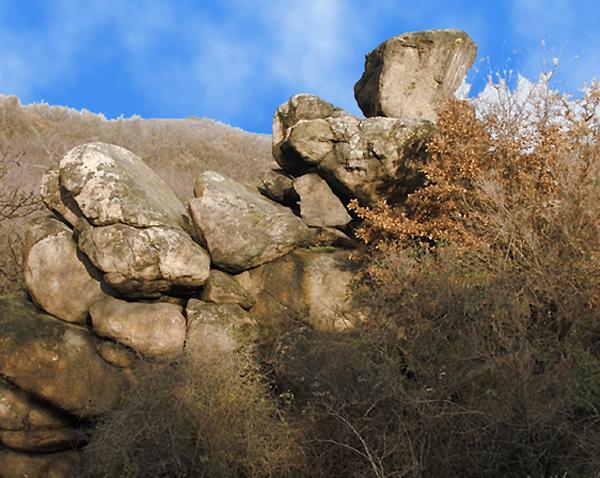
{"points": [[156, 331], [313, 287], [111, 185], [53, 269], [28, 465], [55, 361], [371, 159], [222, 328], [143, 262], [240, 227], [129, 223], [409, 75], [319, 206]]}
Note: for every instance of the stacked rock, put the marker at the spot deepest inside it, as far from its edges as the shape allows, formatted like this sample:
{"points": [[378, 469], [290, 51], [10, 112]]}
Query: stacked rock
{"points": [[124, 271]]}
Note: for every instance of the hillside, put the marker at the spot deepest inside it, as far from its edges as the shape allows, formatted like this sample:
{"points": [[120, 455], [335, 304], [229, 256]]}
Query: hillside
{"points": [[37, 135]]}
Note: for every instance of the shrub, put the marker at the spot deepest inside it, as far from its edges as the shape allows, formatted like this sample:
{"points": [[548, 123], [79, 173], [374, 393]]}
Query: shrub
{"points": [[483, 292], [210, 417]]}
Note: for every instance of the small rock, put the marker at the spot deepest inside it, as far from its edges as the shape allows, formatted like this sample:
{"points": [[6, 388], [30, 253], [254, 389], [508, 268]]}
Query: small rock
{"points": [[318, 205], [221, 288], [156, 331], [279, 187]]}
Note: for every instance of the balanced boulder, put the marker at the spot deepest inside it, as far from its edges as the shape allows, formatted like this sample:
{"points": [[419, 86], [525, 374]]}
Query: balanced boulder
{"points": [[410, 75], [112, 185], [240, 227]]}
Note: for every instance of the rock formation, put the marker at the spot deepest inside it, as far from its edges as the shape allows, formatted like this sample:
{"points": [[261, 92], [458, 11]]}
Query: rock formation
{"points": [[123, 271]]}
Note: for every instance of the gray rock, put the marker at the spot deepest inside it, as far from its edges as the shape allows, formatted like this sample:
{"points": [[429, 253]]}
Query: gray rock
{"points": [[112, 185], [55, 361], [50, 465], [58, 277], [372, 159], [242, 228], [408, 76], [279, 187], [220, 328], [156, 331], [143, 262], [221, 288], [318, 205]]}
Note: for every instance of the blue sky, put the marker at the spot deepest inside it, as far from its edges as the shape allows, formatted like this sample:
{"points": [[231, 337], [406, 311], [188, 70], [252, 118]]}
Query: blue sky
{"points": [[237, 60]]}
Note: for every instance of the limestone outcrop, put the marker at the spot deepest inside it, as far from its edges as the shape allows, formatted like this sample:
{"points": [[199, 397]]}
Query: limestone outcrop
{"points": [[124, 271]]}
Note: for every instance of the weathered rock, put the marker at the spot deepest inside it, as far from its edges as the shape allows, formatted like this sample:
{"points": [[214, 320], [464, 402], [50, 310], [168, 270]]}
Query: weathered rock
{"points": [[18, 411], [299, 107], [408, 76], [26, 424], [51, 465], [55, 361], [377, 158], [314, 287], [116, 354], [143, 262], [279, 187], [59, 278], [242, 228], [221, 288], [220, 328], [112, 185], [318, 205], [58, 200], [156, 331]]}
